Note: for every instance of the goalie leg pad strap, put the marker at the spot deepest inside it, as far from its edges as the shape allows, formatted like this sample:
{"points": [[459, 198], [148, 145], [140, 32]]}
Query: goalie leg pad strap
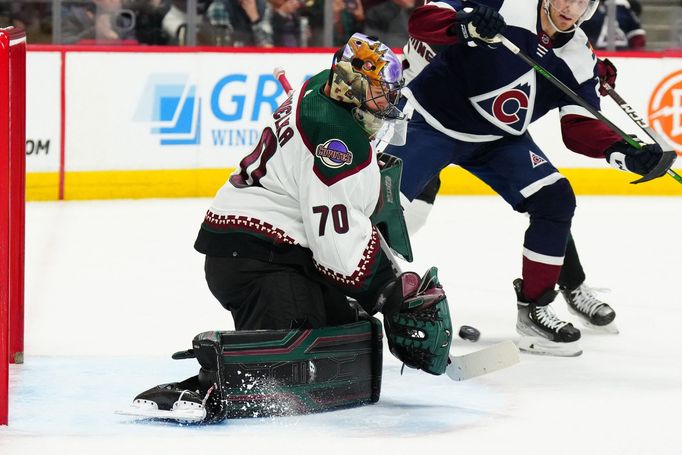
{"points": [[284, 372]]}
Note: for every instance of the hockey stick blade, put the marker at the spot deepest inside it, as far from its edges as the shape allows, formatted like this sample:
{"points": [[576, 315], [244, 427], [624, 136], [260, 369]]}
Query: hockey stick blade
{"points": [[661, 168], [486, 360]]}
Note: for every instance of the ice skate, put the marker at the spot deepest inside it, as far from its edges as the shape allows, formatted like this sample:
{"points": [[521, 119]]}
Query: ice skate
{"points": [[168, 402], [593, 313], [542, 332]]}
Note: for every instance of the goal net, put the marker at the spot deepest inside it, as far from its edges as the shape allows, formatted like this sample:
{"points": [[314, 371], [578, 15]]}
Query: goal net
{"points": [[12, 204]]}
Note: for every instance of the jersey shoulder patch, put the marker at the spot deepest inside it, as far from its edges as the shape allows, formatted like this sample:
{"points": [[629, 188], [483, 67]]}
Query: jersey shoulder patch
{"points": [[339, 146]]}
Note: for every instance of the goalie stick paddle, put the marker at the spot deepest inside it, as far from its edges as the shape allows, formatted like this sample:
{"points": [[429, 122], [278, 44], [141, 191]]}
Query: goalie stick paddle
{"points": [[668, 154]]}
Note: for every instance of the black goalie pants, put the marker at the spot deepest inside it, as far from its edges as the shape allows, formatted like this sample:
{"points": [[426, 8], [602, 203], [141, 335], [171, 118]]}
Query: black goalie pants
{"points": [[266, 295]]}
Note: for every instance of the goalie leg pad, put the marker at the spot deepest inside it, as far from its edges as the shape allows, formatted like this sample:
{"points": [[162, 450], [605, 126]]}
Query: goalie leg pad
{"points": [[285, 372]]}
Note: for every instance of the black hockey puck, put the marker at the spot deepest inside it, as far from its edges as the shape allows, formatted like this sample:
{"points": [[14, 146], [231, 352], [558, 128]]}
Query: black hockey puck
{"points": [[466, 332]]}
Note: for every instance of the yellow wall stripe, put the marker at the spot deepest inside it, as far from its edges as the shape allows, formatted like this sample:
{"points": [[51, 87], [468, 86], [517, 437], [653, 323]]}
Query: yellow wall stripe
{"points": [[205, 183], [585, 181]]}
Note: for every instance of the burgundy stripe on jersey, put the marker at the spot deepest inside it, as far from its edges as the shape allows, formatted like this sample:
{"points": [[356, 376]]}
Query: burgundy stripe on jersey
{"points": [[587, 136], [430, 23], [244, 223], [362, 271]]}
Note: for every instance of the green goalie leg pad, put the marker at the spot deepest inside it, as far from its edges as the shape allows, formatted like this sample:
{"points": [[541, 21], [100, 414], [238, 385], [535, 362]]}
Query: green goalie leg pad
{"points": [[388, 217], [287, 372]]}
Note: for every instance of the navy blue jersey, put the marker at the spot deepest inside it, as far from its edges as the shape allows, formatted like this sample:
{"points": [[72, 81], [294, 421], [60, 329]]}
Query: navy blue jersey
{"points": [[476, 94]]}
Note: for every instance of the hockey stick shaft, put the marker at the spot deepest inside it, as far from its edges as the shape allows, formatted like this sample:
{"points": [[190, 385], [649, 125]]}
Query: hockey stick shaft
{"points": [[514, 49], [281, 77]]}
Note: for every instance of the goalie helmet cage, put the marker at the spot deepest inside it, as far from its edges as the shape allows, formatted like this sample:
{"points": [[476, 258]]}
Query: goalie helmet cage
{"points": [[12, 204]]}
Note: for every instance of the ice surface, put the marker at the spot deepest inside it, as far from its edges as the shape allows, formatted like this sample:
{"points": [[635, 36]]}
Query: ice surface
{"points": [[113, 288]]}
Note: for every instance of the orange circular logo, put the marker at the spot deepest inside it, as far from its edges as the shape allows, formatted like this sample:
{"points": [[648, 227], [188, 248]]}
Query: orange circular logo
{"points": [[665, 110]]}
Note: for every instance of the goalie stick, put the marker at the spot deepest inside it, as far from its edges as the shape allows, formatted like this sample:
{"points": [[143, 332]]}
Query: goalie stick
{"points": [[669, 154], [467, 366], [477, 363]]}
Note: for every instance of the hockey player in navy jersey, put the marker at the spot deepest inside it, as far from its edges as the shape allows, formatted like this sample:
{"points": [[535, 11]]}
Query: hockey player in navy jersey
{"points": [[582, 300], [472, 107]]}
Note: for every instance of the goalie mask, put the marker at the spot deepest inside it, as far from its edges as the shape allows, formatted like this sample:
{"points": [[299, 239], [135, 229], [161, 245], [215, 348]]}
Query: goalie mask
{"points": [[577, 10], [367, 75]]}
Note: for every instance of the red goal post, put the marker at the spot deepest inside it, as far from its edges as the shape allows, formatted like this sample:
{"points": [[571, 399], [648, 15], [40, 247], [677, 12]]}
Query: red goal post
{"points": [[12, 204]]}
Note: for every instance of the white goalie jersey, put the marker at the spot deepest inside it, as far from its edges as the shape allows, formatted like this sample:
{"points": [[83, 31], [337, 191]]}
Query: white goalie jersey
{"points": [[312, 181]]}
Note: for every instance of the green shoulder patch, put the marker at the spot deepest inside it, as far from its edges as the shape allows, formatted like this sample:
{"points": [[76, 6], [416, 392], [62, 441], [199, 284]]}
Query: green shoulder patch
{"points": [[339, 144]]}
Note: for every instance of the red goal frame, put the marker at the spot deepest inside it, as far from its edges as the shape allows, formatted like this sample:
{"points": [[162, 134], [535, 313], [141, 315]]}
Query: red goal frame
{"points": [[12, 204]]}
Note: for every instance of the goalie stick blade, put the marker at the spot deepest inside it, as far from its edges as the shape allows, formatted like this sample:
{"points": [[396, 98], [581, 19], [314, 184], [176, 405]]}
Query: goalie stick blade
{"points": [[487, 360]]}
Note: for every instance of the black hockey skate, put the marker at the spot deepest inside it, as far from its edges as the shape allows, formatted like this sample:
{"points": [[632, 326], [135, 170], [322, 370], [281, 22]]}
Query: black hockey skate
{"points": [[593, 312], [174, 401], [542, 332]]}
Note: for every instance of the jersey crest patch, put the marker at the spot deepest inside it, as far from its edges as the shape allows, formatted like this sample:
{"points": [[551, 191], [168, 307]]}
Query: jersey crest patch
{"points": [[536, 159], [509, 108], [334, 153]]}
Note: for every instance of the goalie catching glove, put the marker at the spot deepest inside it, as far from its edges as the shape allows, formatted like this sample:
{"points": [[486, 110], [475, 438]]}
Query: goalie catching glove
{"points": [[417, 321]]}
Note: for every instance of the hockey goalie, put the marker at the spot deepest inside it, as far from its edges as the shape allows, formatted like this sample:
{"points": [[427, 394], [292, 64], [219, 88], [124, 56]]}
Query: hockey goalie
{"points": [[293, 250]]}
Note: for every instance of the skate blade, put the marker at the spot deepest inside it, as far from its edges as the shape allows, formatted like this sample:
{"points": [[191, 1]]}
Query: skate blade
{"points": [[610, 328], [541, 346], [179, 415]]}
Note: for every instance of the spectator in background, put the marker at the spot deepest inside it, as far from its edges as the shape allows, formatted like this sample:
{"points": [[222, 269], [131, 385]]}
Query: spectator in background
{"points": [[35, 18], [149, 16], [349, 17], [248, 22], [99, 21], [629, 33], [286, 22], [174, 23], [388, 21]]}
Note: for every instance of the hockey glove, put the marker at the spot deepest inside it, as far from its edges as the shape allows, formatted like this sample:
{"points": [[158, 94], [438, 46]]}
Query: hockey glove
{"points": [[650, 162], [607, 75], [478, 25], [417, 321]]}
